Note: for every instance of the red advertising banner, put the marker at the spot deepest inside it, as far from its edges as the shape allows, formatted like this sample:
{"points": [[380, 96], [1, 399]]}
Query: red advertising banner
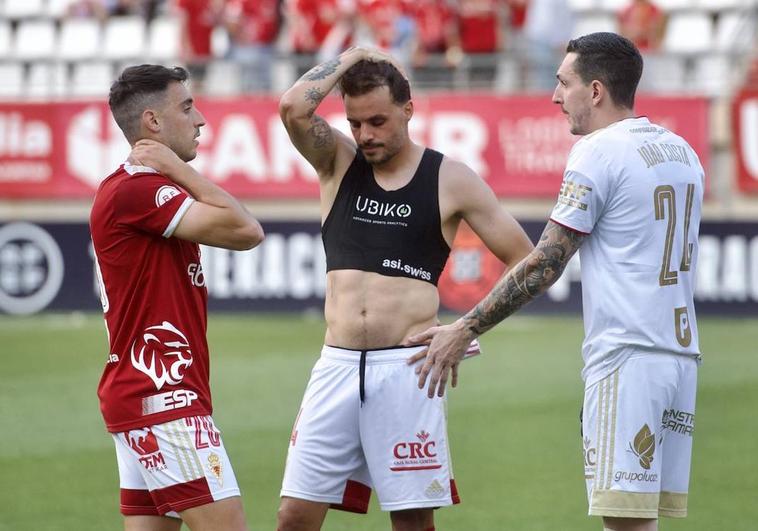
{"points": [[517, 144], [745, 123]]}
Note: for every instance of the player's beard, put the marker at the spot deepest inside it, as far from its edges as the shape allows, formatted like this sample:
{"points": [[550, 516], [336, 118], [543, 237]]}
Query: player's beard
{"points": [[579, 121], [384, 152]]}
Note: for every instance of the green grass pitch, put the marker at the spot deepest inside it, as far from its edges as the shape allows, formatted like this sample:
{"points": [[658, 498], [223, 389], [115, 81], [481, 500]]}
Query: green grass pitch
{"points": [[513, 424]]}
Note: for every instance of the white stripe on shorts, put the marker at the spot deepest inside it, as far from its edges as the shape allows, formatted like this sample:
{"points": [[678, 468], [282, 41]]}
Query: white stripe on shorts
{"points": [[606, 428], [186, 456]]}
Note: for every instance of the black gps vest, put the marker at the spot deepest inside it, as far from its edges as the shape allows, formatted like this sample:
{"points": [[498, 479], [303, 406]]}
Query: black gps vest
{"points": [[394, 233]]}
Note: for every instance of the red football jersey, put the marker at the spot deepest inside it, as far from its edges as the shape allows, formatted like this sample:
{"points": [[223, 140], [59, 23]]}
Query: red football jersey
{"points": [[154, 299]]}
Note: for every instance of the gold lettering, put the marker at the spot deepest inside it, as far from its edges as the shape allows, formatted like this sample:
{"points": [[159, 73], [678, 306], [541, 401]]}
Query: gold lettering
{"points": [[687, 251], [642, 150], [682, 326], [665, 194]]}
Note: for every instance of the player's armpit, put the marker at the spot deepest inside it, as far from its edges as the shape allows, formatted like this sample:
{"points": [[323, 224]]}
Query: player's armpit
{"points": [[219, 227]]}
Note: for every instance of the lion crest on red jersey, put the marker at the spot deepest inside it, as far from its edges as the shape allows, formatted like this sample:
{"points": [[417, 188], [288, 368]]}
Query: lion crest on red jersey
{"points": [[163, 353]]}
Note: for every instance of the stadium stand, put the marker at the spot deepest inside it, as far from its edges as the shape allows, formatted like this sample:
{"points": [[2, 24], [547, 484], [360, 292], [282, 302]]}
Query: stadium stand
{"points": [[704, 39], [34, 39], [11, 80], [124, 38], [79, 40]]}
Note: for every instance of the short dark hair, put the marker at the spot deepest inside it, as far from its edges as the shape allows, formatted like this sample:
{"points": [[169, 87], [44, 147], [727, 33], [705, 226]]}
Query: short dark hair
{"points": [[364, 76], [137, 88], [611, 59]]}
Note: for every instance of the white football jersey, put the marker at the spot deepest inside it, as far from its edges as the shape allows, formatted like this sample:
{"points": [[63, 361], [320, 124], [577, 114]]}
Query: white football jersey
{"points": [[636, 189]]}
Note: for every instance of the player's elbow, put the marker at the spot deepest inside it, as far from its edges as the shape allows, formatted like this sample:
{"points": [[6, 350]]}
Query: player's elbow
{"points": [[286, 107], [248, 235], [291, 110]]}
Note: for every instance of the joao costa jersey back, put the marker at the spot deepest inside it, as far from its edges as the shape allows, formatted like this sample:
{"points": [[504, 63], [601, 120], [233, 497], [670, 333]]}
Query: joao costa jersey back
{"points": [[154, 300], [636, 189]]}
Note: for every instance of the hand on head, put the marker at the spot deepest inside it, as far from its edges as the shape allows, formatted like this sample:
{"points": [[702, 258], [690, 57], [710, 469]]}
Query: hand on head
{"points": [[375, 55]]}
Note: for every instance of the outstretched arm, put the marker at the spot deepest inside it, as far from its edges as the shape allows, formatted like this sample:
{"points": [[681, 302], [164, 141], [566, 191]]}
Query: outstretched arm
{"points": [[526, 281], [529, 279]]}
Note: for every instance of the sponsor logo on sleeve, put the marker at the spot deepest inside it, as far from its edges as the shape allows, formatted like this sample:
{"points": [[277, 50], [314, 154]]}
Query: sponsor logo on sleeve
{"points": [[164, 194], [573, 194]]}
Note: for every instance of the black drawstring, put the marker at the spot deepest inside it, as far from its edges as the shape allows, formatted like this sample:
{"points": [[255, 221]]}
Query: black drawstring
{"points": [[362, 376]]}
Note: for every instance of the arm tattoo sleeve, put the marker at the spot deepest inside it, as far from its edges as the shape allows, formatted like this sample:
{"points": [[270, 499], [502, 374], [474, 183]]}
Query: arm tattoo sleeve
{"points": [[314, 97], [529, 279], [321, 133], [321, 71]]}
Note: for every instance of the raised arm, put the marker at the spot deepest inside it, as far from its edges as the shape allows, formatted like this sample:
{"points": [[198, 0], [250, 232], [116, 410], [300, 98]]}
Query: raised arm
{"points": [[215, 218], [313, 137], [529, 279]]}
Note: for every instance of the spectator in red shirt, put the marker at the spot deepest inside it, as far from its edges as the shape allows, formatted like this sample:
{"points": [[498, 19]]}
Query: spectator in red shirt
{"points": [[643, 23], [436, 34], [310, 22], [253, 26], [481, 24], [197, 20]]}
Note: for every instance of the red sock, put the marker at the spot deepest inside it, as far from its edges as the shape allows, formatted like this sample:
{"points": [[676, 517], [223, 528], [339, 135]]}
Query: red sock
{"points": [[430, 529]]}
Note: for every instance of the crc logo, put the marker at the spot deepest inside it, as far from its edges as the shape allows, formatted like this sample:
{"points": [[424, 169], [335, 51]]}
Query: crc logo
{"points": [[590, 453], [163, 353], [31, 268], [416, 450]]}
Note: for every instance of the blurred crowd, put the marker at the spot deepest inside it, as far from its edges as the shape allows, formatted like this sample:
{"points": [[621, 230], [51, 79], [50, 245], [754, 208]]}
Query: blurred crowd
{"points": [[431, 38]]}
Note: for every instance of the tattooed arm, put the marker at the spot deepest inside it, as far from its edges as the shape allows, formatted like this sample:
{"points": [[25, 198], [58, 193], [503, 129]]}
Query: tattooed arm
{"points": [[527, 280], [310, 133]]}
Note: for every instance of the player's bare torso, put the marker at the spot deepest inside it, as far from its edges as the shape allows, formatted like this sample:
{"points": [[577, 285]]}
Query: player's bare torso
{"points": [[366, 310]]}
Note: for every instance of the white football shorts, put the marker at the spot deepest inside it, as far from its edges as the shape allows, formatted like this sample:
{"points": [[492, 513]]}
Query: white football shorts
{"points": [[637, 437], [167, 468], [364, 424]]}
